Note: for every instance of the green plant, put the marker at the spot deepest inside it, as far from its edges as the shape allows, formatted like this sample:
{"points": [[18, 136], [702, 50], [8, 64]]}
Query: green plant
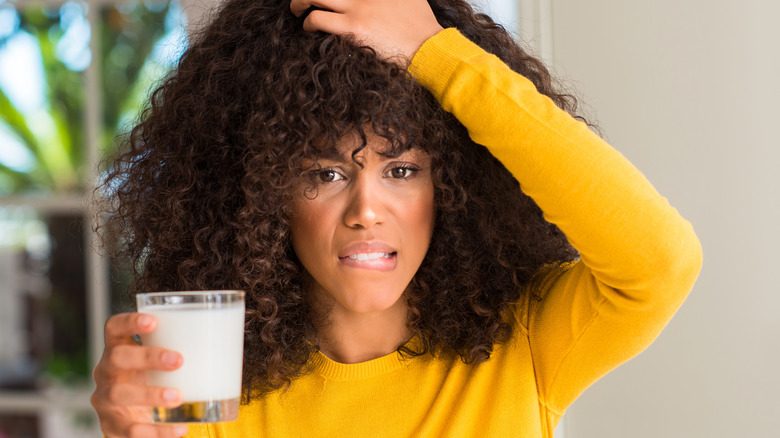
{"points": [[50, 131], [53, 136]]}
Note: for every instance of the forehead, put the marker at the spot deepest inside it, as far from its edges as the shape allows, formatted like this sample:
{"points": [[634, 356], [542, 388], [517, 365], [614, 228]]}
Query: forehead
{"points": [[352, 146]]}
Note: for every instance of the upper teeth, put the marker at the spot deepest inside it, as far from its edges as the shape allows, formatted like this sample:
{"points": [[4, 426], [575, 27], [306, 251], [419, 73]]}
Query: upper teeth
{"points": [[369, 256]]}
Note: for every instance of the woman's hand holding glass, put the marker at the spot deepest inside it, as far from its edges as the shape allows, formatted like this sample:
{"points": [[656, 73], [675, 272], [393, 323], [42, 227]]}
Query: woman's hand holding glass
{"points": [[122, 399]]}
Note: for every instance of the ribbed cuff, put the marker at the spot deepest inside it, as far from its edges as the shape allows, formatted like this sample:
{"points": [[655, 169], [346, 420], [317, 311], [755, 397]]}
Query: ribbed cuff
{"points": [[438, 58]]}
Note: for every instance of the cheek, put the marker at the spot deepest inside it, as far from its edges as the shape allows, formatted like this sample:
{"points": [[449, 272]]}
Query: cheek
{"points": [[425, 218], [428, 209], [421, 217], [306, 228]]}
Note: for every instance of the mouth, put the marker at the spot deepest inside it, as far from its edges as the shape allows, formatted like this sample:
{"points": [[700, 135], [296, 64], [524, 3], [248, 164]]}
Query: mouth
{"points": [[370, 256], [377, 261]]}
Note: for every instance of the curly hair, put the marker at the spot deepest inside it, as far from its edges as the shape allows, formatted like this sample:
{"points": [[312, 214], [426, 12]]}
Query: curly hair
{"points": [[199, 194]]}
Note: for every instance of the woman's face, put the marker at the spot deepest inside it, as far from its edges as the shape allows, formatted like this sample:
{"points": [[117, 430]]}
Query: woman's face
{"points": [[363, 232]]}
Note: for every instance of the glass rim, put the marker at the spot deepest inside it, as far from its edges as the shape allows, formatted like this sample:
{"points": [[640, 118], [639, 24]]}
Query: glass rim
{"points": [[192, 292]]}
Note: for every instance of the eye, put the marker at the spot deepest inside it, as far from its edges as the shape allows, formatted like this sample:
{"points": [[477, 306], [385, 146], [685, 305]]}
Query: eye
{"points": [[402, 171], [326, 175]]}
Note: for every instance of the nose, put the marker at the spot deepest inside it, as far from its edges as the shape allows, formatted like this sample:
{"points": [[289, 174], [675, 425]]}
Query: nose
{"points": [[366, 204]]}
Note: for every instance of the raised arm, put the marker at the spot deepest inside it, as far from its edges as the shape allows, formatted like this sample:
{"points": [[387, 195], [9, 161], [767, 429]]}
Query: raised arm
{"points": [[639, 257]]}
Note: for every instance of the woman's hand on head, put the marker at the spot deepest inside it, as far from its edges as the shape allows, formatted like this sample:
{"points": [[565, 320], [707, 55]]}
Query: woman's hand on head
{"points": [[392, 28], [122, 398]]}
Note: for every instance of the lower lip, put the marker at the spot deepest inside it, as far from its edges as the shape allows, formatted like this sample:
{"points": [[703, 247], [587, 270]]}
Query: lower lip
{"points": [[382, 264]]}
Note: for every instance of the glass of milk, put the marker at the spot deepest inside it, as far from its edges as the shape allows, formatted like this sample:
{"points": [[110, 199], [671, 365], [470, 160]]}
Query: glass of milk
{"points": [[207, 328]]}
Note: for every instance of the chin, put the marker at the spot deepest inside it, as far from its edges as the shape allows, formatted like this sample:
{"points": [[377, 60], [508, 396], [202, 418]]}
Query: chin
{"points": [[376, 301]]}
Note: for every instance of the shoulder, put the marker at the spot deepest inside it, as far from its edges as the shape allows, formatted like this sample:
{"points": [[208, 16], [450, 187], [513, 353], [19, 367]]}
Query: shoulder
{"points": [[544, 279], [538, 288]]}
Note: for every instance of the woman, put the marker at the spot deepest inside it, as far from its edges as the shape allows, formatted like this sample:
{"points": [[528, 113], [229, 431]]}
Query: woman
{"points": [[354, 166]]}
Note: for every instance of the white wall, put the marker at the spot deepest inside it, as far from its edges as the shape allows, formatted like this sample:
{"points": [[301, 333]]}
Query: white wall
{"points": [[689, 91]]}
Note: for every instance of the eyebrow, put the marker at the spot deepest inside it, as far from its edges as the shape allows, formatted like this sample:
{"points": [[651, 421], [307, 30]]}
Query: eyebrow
{"points": [[335, 155]]}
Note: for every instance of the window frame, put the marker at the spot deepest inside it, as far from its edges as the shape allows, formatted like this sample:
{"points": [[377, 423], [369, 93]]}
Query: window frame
{"points": [[50, 404]]}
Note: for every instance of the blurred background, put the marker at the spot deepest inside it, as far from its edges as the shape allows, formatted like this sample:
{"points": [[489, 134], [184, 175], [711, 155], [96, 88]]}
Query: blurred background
{"points": [[73, 75], [686, 89]]}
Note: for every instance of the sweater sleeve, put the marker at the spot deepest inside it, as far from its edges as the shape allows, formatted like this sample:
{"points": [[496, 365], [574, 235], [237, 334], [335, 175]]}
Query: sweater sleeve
{"points": [[639, 258]]}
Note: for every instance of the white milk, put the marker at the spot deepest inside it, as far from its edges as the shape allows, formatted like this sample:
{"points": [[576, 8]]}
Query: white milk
{"points": [[211, 342]]}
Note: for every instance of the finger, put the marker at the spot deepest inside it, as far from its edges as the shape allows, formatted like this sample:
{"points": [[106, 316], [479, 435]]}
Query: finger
{"points": [[120, 327], [299, 7], [157, 431], [137, 357], [325, 21], [128, 394]]}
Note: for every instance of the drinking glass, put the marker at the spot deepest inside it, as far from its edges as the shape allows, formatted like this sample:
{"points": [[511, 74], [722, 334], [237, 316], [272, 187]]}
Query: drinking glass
{"points": [[207, 328]]}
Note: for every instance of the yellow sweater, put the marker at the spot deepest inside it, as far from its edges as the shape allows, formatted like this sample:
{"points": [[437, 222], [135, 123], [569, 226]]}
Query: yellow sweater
{"points": [[577, 322]]}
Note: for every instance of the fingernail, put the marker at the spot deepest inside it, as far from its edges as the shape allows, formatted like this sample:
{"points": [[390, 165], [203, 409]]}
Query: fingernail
{"points": [[144, 321], [169, 358], [171, 394], [180, 430]]}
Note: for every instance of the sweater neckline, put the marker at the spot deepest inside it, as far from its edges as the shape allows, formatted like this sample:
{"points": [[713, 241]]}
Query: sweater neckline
{"points": [[332, 370]]}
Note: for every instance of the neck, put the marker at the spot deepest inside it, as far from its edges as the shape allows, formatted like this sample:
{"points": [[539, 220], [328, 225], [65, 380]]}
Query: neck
{"points": [[349, 337]]}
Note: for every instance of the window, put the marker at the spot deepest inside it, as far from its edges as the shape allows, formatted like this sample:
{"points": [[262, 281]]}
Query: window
{"points": [[73, 75]]}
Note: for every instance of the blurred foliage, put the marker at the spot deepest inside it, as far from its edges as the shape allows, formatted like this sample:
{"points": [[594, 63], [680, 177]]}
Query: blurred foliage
{"points": [[138, 43], [58, 158], [128, 35]]}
